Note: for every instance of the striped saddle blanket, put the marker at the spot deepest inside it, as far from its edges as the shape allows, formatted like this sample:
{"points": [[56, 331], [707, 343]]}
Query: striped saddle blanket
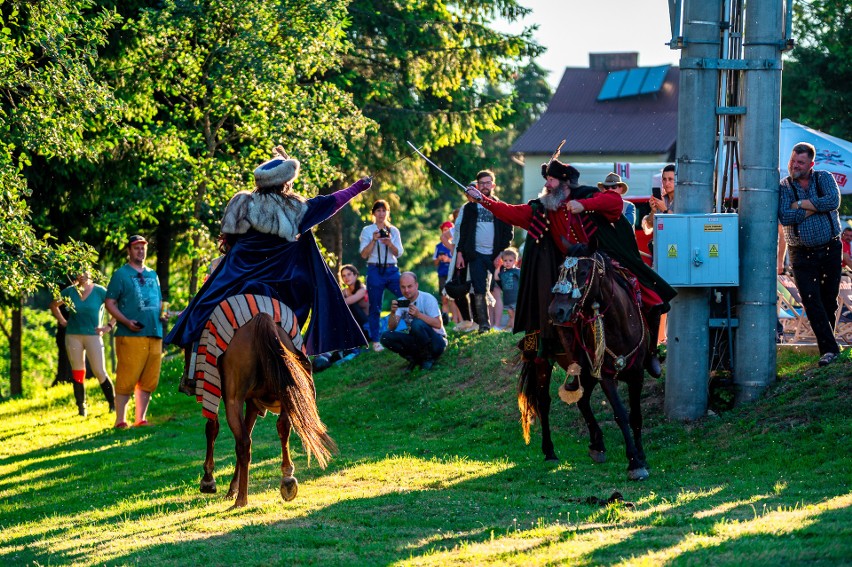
{"points": [[230, 315]]}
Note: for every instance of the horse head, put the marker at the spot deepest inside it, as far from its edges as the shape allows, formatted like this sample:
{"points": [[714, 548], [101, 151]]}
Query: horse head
{"points": [[579, 279]]}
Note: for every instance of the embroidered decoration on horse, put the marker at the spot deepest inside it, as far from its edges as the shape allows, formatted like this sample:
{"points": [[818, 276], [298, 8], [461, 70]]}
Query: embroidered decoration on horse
{"points": [[230, 315]]}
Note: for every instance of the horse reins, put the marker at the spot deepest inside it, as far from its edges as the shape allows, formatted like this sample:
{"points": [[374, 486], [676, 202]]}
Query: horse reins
{"points": [[620, 362]]}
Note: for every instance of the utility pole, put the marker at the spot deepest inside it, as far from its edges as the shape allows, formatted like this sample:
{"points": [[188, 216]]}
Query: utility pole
{"points": [[688, 374], [755, 350]]}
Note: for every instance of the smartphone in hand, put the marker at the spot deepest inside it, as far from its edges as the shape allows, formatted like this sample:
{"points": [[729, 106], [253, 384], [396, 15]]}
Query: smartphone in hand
{"points": [[657, 193]]}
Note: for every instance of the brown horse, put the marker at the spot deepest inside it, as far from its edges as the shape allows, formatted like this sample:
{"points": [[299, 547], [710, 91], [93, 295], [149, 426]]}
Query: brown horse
{"points": [[262, 370], [604, 339]]}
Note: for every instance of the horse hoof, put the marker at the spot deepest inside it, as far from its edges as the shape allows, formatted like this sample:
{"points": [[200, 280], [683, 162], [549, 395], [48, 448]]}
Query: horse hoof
{"points": [[598, 456], [551, 459], [638, 474], [231, 494], [289, 488], [238, 505], [208, 487]]}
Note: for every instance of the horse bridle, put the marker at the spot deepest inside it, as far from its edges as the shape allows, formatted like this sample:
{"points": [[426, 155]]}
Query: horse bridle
{"points": [[567, 284]]}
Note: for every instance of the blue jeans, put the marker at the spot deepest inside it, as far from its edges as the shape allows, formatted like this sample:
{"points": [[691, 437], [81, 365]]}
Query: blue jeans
{"points": [[481, 269], [420, 343], [816, 270], [379, 279]]}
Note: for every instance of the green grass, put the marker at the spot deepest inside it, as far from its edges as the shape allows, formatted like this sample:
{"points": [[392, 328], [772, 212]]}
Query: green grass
{"points": [[432, 470]]}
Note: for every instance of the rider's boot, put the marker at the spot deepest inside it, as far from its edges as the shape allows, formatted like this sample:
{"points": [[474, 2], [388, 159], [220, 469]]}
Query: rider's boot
{"points": [[109, 393], [481, 307], [187, 384], [80, 396], [652, 361]]}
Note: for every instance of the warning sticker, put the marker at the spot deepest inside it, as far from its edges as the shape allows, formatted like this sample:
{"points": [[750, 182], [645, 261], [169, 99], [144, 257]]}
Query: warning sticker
{"points": [[714, 251], [712, 228], [672, 251]]}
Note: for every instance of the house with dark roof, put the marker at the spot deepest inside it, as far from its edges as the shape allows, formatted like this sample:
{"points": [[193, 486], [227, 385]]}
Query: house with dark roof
{"points": [[613, 116]]}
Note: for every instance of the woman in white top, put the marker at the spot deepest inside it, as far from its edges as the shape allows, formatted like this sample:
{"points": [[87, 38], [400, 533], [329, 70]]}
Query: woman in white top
{"points": [[381, 246]]}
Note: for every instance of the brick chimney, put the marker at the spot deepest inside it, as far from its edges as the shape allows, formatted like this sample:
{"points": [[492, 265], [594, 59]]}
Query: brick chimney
{"points": [[614, 61]]}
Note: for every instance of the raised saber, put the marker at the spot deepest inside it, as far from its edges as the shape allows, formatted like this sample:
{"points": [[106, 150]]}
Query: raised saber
{"points": [[435, 165]]}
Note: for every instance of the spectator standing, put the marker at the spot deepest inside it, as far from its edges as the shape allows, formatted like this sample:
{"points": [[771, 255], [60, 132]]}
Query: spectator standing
{"points": [[426, 338], [613, 181], [83, 336], [509, 278], [381, 246], [441, 258], [808, 211], [134, 299], [461, 305], [666, 203], [480, 238]]}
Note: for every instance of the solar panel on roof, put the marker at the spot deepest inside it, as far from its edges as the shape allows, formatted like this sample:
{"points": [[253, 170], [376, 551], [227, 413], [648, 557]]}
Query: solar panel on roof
{"points": [[655, 79], [612, 85], [633, 82]]}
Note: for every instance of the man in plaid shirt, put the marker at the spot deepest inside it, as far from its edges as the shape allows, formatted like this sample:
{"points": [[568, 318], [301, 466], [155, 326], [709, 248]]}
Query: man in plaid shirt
{"points": [[807, 211]]}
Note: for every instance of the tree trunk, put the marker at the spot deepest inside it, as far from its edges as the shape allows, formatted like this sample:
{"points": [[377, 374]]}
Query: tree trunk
{"points": [[16, 368]]}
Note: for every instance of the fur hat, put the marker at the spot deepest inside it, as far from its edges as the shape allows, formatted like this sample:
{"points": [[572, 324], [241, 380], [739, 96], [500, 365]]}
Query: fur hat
{"points": [[277, 171], [560, 171], [613, 180]]}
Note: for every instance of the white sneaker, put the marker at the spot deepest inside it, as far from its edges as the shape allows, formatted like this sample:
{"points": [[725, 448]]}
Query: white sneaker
{"points": [[377, 347]]}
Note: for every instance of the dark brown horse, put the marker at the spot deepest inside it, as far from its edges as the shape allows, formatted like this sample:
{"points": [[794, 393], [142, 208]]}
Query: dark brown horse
{"points": [[604, 339], [262, 370]]}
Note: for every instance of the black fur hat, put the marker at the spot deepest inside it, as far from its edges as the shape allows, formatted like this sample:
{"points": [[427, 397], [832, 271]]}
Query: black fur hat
{"points": [[560, 171]]}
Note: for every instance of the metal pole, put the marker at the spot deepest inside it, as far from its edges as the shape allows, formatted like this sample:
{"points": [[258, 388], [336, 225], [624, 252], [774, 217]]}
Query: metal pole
{"points": [[758, 205], [688, 336]]}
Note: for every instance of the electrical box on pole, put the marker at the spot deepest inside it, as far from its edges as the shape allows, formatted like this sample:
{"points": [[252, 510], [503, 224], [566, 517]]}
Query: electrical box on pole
{"points": [[697, 250]]}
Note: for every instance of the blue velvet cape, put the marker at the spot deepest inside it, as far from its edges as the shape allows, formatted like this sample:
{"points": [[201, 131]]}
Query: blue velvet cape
{"points": [[293, 272]]}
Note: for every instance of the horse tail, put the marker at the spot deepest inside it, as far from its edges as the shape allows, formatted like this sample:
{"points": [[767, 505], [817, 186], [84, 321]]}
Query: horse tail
{"points": [[528, 396], [293, 385]]}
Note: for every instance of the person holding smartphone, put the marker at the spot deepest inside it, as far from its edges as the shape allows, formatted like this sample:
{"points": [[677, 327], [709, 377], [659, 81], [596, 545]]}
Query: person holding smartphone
{"points": [[425, 338], [662, 199]]}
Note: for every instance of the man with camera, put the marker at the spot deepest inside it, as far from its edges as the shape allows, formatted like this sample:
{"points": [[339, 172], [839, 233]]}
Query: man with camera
{"points": [[381, 246], [425, 339]]}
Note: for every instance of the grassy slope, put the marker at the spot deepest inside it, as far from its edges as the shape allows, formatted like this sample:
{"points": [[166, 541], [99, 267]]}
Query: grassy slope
{"points": [[432, 470]]}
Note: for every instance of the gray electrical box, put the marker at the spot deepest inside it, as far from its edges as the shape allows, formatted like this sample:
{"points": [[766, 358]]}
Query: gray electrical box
{"points": [[697, 250]]}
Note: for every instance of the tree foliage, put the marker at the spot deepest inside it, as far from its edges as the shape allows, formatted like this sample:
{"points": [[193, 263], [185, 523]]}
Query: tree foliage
{"points": [[48, 92], [816, 78]]}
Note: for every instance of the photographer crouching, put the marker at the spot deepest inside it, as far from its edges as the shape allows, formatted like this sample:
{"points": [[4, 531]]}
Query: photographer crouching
{"points": [[425, 338]]}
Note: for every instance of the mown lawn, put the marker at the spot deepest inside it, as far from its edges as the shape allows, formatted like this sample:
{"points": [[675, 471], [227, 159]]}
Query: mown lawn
{"points": [[432, 470]]}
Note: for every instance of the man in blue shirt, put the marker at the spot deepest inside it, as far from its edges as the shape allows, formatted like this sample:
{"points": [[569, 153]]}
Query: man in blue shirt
{"points": [[807, 211], [133, 297]]}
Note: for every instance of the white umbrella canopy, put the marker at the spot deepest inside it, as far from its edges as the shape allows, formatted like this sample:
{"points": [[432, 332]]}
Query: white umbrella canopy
{"points": [[832, 154]]}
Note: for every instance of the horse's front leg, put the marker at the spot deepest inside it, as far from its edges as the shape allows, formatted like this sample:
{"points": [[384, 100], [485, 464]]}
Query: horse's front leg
{"points": [[543, 372], [289, 484], [634, 392], [635, 469], [208, 482], [597, 449]]}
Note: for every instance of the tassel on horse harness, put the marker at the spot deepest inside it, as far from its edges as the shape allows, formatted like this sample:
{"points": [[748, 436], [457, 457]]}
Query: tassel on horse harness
{"points": [[567, 284]]}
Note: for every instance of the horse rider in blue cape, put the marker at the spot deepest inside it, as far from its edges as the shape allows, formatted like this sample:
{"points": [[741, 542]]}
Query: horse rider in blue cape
{"points": [[273, 253]]}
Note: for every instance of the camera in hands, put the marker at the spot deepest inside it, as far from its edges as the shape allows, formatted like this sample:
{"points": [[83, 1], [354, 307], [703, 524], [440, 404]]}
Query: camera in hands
{"points": [[403, 303], [384, 233]]}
